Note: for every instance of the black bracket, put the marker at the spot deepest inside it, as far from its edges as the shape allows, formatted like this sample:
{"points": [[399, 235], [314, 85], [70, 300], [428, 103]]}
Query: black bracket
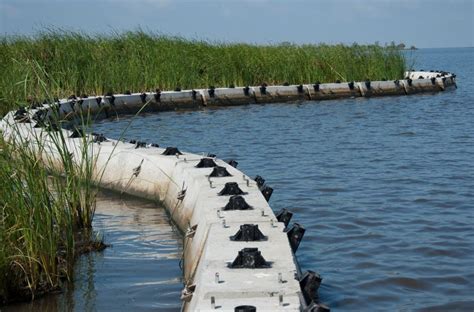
{"points": [[237, 202], [309, 283], [219, 172], [284, 216], [295, 235], [171, 151], [231, 188], [206, 163], [248, 233], [249, 258]]}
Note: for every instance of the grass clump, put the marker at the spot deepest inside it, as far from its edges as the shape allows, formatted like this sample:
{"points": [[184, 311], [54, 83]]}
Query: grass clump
{"points": [[47, 203], [139, 61]]}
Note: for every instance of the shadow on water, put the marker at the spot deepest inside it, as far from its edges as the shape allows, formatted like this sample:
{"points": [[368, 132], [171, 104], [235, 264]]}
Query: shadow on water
{"points": [[139, 272]]}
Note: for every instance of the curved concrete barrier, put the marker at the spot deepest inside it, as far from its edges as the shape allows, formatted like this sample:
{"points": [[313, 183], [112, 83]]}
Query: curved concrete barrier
{"points": [[238, 256]]}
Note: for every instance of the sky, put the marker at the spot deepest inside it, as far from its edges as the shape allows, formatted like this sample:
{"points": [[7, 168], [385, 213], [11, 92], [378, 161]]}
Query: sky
{"points": [[422, 23]]}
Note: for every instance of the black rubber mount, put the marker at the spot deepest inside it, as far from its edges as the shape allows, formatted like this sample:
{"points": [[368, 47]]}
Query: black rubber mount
{"points": [[177, 89], [231, 188], [211, 91], [143, 98], [155, 145], [20, 114], [247, 91], [260, 181], [127, 92], [368, 84], [338, 81], [232, 86], [309, 283], [263, 89], [300, 89], [316, 86], [111, 98], [316, 307], [232, 162], [206, 163], [248, 233], [157, 95], [410, 82], [140, 144], [421, 77], [245, 308], [295, 235], [351, 85], [284, 216], [286, 83], [39, 116], [211, 155], [98, 138], [396, 82], [219, 172], [98, 100], [267, 192], [171, 151], [433, 80], [249, 258], [77, 133], [237, 202], [132, 141]]}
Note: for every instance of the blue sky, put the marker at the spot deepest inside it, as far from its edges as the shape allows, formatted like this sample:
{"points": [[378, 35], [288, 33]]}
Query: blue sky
{"points": [[423, 23]]}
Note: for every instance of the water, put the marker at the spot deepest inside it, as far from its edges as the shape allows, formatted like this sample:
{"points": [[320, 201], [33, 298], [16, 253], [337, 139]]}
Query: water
{"points": [[139, 272], [384, 187]]}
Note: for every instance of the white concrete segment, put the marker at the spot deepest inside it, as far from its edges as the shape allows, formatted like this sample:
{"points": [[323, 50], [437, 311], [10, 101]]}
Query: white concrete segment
{"points": [[191, 196]]}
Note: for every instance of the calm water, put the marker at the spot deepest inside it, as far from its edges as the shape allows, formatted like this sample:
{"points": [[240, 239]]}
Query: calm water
{"points": [[384, 187]]}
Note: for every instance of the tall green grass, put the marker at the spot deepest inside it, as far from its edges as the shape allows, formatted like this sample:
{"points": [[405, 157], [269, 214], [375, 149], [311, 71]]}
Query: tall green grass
{"points": [[47, 203], [139, 61], [42, 219]]}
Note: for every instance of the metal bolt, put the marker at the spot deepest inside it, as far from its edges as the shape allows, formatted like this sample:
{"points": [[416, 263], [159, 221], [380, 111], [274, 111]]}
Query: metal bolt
{"points": [[217, 277], [280, 299], [210, 183], [248, 182], [213, 302], [263, 212], [280, 278], [224, 224], [272, 222]]}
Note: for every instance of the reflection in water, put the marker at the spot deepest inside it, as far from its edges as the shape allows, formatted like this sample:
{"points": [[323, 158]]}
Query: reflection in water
{"points": [[139, 272]]}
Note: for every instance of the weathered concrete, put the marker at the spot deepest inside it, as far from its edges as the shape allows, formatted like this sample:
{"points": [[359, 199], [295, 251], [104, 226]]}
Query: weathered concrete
{"points": [[191, 195]]}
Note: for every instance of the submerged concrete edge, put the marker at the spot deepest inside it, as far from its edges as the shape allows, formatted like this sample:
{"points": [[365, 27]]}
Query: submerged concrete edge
{"points": [[198, 189]]}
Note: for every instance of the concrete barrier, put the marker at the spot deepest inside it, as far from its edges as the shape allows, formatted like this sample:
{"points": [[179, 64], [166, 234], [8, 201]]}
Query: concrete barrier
{"points": [[238, 256]]}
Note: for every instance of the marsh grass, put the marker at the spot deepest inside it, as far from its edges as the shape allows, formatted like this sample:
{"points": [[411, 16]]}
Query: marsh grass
{"points": [[47, 207], [138, 61]]}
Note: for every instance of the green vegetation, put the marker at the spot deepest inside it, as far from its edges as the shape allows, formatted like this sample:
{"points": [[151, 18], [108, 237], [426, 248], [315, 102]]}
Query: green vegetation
{"points": [[45, 217], [138, 61], [45, 220]]}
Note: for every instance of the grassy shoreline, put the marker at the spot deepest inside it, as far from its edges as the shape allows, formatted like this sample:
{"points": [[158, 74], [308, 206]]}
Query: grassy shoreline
{"points": [[45, 221], [77, 63]]}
